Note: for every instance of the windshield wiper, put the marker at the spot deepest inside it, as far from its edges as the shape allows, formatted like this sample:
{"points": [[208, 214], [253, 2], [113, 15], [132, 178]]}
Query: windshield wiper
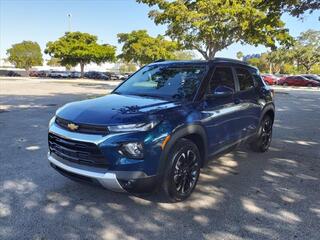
{"points": [[148, 95]]}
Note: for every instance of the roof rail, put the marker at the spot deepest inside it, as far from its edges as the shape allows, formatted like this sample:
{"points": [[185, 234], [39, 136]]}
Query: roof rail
{"points": [[160, 60], [229, 60]]}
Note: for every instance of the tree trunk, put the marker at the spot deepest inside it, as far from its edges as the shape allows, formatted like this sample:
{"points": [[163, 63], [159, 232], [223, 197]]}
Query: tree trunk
{"points": [[82, 69], [308, 68], [203, 53], [212, 53], [270, 68]]}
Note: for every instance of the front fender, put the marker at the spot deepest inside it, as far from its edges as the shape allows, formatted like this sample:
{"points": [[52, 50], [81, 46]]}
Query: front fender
{"points": [[268, 107], [178, 133]]}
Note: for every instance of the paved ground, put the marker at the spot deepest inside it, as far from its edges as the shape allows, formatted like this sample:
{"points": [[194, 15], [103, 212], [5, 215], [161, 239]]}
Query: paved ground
{"points": [[242, 195]]}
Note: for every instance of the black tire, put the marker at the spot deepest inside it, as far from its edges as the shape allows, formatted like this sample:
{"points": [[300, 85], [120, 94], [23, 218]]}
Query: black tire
{"points": [[262, 141], [309, 85], [285, 84], [182, 172]]}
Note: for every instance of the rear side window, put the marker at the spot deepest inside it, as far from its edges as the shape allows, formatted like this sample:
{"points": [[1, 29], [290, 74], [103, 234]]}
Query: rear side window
{"points": [[222, 77], [245, 79]]}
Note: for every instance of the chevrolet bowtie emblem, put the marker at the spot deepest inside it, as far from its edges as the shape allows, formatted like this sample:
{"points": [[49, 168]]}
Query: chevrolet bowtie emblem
{"points": [[73, 126]]}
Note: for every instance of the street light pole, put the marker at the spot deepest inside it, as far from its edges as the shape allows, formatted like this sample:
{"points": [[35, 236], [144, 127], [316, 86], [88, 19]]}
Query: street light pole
{"points": [[69, 22]]}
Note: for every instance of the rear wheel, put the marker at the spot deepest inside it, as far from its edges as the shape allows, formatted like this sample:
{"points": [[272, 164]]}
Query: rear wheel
{"points": [[263, 140], [285, 84], [309, 85], [182, 172]]}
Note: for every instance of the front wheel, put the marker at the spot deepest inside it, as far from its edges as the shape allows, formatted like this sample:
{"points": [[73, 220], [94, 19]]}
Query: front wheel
{"points": [[182, 171], [263, 140]]}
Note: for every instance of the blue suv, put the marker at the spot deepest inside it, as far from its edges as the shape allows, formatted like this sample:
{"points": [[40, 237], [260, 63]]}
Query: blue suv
{"points": [[162, 125]]}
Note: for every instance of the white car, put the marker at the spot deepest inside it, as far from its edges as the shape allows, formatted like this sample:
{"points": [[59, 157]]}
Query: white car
{"points": [[59, 74]]}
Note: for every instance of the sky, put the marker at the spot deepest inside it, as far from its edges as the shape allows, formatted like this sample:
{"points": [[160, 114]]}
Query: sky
{"points": [[47, 20]]}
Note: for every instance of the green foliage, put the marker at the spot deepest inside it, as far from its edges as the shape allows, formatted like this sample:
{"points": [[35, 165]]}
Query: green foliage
{"points": [[257, 62], [25, 55], [302, 57], [127, 68], [54, 62], [240, 55], [140, 47], [306, 50], [294, 7], [184, 55], [209, 26], [315, 69], [80, 48]]}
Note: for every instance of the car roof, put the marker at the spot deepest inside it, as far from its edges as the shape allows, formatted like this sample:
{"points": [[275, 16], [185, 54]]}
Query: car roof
{"points": [[202, 62]]}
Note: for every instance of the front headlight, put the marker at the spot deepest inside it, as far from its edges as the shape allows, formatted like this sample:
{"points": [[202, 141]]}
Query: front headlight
{"points": [[138, 127]]}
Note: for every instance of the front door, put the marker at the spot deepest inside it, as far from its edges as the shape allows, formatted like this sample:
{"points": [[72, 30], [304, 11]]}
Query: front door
{"points": [[220, 114]]}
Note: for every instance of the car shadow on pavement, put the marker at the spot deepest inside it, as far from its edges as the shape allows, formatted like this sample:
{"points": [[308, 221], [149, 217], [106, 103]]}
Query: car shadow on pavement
{"points": [[240, 195]]}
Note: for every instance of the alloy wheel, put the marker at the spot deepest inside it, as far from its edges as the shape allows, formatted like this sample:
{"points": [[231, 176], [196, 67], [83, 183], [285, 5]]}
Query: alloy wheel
{"points": [[186, 172], [266, 133]]}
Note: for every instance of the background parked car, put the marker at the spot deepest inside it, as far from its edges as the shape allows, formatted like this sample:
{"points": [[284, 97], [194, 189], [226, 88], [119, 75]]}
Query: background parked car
{"points": [[13, 74], [59, 74], [311, 77], [298, 81], [33, 74], [96, 75], [38, 74], [75, 74], [270, 79], [113, 76]]}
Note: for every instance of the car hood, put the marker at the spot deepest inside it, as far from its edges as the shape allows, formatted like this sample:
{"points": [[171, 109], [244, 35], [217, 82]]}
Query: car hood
{"points": [[115, 109]]}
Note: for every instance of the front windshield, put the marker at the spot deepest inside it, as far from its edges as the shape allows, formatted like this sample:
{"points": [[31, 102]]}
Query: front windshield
{"points": [[178, 82]]}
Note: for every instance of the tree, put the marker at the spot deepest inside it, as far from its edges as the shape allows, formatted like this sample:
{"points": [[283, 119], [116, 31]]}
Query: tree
{"points": [[294, 7], [25, 55], [141, 48], [257, 63], [209, 26], [306, 50], [277, 58], [80, 48], [54, 62], [184, 55], [127, 68], [240, 55]]}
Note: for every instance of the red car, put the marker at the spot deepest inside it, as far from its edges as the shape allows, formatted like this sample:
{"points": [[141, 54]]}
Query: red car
{"points": [[33, 74], [298, 81], [270, 79]]}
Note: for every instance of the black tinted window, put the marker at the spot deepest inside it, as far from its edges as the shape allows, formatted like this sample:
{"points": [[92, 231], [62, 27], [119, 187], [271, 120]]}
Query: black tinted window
{"points": [[245, 78], [222, 77]]}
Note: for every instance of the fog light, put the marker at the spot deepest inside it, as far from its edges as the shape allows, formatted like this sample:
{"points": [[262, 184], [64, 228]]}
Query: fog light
{"points": [[132, 150]]}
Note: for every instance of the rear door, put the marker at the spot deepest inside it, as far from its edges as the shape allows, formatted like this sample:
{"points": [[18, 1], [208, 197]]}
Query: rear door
{"points": [[301, 81], [247, 98], [292, 81]]}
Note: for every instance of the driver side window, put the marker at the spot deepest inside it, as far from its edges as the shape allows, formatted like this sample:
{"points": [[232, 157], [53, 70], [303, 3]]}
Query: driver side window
{"points": [[222, 78]]}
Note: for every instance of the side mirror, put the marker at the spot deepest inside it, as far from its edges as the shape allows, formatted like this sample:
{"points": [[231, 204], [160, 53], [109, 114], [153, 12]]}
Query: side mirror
{"points": [[221, 92]]}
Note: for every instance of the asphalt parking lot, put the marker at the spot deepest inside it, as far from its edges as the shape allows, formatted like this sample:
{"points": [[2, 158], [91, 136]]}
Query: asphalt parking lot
{"points": [[241, 195]]}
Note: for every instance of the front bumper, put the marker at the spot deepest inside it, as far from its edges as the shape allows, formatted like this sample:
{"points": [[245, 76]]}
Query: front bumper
{"points": [[118, 181], [106, 179]]}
